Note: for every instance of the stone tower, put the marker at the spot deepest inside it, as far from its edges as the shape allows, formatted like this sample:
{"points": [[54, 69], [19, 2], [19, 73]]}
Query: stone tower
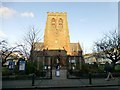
{"points": [[56, 35]]}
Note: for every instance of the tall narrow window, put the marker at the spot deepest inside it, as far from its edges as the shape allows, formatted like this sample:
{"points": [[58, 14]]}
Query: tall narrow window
{"points": [[60, 23], [53, 23]]}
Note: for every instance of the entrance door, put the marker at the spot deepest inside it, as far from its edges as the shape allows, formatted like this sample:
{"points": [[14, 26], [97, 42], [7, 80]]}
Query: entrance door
{"points": [[56, 62], [57, 71]]}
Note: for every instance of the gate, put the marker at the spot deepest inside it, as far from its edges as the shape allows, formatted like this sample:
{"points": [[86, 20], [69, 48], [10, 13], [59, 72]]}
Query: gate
{"points": [[59, 67], [74, 64], [44, 67]]}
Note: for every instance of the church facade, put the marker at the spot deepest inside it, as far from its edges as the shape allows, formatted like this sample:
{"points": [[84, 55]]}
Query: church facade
{"points": [[57, 40]]}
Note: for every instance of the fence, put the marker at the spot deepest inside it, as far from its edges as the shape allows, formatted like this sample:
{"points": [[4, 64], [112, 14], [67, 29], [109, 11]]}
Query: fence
{"points": [[74, 65]]}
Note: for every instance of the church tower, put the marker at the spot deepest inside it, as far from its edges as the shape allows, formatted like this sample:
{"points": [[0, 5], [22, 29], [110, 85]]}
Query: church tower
{"points": [[56, 35]]}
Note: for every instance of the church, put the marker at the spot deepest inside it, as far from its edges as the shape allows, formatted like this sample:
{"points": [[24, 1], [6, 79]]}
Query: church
{"points": [[57, 43]]}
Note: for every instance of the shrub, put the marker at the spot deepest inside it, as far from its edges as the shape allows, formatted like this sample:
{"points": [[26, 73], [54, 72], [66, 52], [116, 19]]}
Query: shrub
{"points": [[31, 67], [117, 67], [92, 68], [16, 69], [5, 71], [85, 68]]}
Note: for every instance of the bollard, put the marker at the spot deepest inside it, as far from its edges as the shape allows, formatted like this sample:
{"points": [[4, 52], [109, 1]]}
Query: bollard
{"points": [[33, 79], [90, 78]]}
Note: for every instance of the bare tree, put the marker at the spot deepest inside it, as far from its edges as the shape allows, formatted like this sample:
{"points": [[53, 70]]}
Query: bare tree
{"points": [[6, 51], [24, 50], [109, 46], [31, 38]]}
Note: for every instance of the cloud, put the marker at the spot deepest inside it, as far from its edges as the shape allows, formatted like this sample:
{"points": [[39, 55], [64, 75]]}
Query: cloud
{"points": [[6, 12], [27, 14]]}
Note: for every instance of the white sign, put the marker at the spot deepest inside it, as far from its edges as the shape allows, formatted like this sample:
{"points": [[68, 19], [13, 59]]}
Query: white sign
{"points": [[73, 61], [11, 64], [22, 65]]}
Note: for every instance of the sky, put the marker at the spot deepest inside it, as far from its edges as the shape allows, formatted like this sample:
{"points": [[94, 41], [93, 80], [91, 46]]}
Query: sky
{"points": [[87, 21]]}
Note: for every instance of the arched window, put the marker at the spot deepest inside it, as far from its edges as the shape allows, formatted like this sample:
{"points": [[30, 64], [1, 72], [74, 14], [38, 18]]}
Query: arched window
{"points": [[60, 23], [53, 23]]}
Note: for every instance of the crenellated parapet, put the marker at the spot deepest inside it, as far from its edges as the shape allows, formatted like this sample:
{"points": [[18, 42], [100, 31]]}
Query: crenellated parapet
{"points": [[56, 13]]}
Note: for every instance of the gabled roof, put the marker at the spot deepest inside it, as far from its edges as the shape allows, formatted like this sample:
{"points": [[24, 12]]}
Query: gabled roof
{"points": [[39, 46], [75, 47]]}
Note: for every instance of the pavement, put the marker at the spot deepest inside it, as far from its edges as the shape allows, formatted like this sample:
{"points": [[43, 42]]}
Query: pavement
{"points": [[61, 82]]}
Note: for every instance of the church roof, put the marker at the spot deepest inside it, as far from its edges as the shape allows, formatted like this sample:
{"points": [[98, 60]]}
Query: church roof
{"points": [[75, 47], [39, 46]]}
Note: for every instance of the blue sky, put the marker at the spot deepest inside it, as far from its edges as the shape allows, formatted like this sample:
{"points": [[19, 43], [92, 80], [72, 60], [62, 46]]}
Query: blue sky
{"points": [[87, 21]]}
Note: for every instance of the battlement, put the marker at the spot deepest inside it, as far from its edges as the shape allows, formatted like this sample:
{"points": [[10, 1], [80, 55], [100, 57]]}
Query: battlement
{"points": [[57, 13]]}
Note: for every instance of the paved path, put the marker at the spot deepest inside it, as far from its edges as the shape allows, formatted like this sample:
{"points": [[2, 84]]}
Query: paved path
{"points": [[62, 75], [61, 81], [58, 83]]}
